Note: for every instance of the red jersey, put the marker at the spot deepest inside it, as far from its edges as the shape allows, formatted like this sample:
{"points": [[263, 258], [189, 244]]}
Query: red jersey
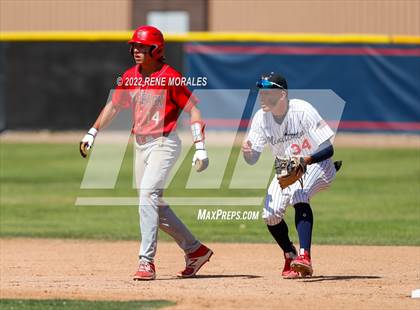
{"points": [[156, 101]]}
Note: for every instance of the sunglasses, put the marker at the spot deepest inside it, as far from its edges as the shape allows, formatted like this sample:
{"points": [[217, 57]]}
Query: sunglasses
{"points": [[143, 49], [263, 83]]}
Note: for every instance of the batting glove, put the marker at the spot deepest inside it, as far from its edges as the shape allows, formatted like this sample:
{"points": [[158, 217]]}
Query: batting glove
{"points": [[200, 160], [87, 142]]}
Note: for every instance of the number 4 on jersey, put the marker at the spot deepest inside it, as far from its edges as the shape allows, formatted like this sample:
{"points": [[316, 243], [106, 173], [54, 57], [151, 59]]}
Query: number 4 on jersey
{"points": [[155, 117]]}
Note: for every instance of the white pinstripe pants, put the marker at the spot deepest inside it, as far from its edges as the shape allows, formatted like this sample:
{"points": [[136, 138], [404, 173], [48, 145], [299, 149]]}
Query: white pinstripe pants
{"points": [[317, 177]]}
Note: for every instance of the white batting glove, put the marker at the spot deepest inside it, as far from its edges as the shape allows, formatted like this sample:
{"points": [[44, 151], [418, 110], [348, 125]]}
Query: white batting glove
{"points": [[200, 160], [87, 141]]}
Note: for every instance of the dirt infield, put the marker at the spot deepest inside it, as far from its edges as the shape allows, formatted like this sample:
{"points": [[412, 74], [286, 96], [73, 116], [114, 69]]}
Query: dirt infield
{"points": [[239, 275]]}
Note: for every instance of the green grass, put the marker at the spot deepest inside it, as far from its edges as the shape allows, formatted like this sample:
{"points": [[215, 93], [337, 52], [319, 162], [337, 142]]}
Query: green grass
{"points": [[374, 199], [50, 304]]}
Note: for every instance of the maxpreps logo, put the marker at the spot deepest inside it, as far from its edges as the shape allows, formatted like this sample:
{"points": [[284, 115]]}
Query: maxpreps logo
{"points": [[223, 215]]}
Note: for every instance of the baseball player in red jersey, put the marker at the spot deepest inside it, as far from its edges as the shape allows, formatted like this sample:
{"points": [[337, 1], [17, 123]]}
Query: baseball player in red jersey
{"points": [[156, 104]]}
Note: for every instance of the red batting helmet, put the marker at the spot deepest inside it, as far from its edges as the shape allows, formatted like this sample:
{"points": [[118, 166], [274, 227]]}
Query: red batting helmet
{"points": [[152, 36]]}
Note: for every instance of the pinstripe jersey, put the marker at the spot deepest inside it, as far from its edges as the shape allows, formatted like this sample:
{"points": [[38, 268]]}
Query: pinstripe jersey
{"points": [[300, 133]]}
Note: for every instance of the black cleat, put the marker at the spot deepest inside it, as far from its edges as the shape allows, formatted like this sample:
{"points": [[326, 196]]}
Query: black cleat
{"points": [[337, 164]]}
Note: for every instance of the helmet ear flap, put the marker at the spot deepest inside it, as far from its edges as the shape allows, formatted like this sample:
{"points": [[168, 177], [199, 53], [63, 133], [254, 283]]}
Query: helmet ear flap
{"points": [[152, 51], [155, 50]]}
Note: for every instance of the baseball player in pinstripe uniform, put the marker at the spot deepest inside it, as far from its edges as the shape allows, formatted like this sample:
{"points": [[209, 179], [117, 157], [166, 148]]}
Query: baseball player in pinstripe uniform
{"points": [[155, 108], [291, 127]]}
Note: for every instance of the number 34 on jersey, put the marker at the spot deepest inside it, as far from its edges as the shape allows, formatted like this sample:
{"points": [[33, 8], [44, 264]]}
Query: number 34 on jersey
{"points": [[297, 149]]}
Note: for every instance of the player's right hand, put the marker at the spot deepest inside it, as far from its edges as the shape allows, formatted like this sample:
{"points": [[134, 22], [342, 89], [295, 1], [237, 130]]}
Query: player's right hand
{"points": [[247, 148], [87, 142]]}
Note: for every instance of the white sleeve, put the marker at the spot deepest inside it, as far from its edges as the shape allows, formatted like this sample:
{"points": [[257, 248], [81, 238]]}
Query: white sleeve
{"points": [[256, 134], [317, 129]]}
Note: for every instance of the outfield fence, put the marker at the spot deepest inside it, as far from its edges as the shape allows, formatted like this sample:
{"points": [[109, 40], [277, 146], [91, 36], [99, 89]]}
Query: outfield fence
{"points": [[60, 80]]}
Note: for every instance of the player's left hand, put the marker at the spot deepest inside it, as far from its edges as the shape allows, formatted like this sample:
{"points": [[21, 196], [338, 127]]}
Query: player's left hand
{"points": [[289, 170], [200, 160]]}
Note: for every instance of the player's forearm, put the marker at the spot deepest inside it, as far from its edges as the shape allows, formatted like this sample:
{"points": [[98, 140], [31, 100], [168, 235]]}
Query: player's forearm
{"points": [[324, 151], [106, 116], [195, 115], [197, 128], [200, 159]]}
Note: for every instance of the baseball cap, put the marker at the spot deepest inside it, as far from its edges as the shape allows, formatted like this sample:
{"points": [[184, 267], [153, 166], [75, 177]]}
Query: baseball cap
{"points": [[272, 80]]}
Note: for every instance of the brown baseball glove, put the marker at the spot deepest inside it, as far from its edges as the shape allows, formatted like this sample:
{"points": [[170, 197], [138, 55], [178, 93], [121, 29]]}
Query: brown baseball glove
{"points": [[289, 170]]}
